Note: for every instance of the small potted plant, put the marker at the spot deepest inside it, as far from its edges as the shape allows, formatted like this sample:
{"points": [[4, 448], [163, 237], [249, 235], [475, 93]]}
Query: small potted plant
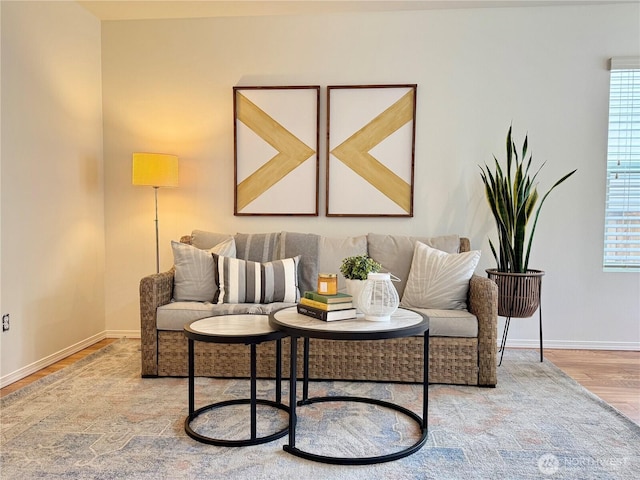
{"points": [[358, 267], [355, 271]]}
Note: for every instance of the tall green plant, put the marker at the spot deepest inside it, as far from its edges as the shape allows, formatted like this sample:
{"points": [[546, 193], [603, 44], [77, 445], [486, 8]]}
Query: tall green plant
{"points": [[512, 198]]}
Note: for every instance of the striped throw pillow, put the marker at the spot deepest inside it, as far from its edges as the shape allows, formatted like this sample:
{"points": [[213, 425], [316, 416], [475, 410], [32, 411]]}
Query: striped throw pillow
{"points": [[242, 281]]}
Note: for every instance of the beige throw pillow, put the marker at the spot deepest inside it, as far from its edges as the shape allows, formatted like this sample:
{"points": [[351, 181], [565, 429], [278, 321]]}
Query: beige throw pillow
{"points": [[395, 252], [439, 280], [205, 240]]}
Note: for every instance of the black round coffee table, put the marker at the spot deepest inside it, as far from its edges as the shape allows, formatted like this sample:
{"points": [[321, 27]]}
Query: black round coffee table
{"points": [[250, 330], [403, 323]]}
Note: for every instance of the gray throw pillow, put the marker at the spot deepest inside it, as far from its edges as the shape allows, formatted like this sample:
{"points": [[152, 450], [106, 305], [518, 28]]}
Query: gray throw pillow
{"points": [[304, 245], [257, 247], [194, 278]]}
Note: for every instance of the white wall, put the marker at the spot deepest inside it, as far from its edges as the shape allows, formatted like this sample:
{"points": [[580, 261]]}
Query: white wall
{"points": [[167, 87], [52, 184]]}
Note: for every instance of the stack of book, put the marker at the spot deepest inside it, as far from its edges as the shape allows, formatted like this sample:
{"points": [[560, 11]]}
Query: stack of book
{"points": [[327, 307]]}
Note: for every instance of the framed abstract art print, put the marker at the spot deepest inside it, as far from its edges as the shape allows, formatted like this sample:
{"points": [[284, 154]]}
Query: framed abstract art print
{"points": [[370, 151], [276, 150]]}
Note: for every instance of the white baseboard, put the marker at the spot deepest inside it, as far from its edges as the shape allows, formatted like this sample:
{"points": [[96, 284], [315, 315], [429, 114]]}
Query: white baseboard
{"points": [[64, 353], [51, 359], [123, 333], [573, 345], [529, 343]]}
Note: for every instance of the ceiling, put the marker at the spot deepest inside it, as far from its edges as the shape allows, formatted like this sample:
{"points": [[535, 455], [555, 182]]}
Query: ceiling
{"points": [[157, 9]]}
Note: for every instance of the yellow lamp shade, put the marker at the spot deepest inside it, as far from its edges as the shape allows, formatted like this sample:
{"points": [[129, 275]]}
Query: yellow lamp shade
{"points": [[155, 169]]}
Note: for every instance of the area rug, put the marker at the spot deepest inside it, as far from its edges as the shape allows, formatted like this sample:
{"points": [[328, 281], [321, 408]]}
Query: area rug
{"points": [[97, 419]]}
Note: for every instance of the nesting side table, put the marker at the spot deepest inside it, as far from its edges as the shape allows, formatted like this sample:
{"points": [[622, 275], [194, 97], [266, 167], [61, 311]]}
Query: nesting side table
{"points": [[403, 323], [250, 330]]}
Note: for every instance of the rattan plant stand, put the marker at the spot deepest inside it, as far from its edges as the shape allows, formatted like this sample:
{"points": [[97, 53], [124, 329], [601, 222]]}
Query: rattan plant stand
{"points": [[519, 296]]}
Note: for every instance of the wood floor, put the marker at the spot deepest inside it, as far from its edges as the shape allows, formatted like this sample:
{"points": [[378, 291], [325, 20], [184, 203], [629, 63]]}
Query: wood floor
{"points": [[614, 376]]}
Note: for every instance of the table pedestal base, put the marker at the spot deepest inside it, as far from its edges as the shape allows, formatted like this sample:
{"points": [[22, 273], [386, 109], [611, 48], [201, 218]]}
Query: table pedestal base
{"points": [[293, 416], [252, 402], [254, 440], [363, 460]]}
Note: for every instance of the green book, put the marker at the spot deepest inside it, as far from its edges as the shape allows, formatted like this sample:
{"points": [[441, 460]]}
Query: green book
{"points": [[337, 298]]}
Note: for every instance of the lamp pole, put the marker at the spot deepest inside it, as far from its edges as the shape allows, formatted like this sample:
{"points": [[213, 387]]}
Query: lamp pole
{"points": [[155, 189], [155, 170]]}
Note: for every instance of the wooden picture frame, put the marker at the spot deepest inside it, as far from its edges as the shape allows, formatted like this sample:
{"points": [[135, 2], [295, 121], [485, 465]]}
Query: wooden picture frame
{"points": [[370, 150], [276, 163]]}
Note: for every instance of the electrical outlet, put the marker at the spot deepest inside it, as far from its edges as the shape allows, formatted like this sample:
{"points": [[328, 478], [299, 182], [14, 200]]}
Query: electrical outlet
{"points": [[5, 322]]}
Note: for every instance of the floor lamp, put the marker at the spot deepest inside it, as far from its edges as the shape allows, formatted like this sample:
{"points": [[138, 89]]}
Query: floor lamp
{"points": [[155, 170]]}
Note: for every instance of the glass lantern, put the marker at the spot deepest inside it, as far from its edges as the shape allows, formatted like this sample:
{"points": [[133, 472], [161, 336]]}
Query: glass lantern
{"points": [[378, 298]]}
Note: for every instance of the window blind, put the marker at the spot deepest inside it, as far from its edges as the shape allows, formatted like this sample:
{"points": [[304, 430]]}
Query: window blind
{"points": [[622, 212]]}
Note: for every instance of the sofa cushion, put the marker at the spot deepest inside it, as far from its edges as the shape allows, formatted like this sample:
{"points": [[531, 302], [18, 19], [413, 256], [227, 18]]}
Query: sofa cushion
{"points": [[451, 323], [242, 281], [205, 240], [334, 249], [175, 315], [439, 280], [194, 278], [304, 245], [395, 252]]}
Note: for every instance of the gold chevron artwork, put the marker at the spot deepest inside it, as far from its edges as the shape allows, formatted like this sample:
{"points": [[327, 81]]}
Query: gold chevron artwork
{"points": [[354, 152], [292, 152]]}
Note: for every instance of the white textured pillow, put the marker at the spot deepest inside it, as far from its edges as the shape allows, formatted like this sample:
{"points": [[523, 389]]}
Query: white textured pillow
{"points": [[243, 281], [226, 248], [194, 278], [439, 280]]}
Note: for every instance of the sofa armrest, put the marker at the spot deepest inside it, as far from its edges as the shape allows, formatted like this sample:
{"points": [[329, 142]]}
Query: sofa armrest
{"points": [[483, 303], [155, 290]]}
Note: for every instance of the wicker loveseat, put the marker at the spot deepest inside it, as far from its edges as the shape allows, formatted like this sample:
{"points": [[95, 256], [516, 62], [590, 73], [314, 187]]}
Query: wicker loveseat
{"points": [[455, 357]]}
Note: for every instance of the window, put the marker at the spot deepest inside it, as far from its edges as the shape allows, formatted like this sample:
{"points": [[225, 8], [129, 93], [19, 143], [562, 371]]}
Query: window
{"points": [[622, 212]]}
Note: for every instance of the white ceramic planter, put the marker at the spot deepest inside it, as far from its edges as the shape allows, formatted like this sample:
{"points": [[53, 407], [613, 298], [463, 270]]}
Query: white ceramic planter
{"points": [[354, 287]]}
